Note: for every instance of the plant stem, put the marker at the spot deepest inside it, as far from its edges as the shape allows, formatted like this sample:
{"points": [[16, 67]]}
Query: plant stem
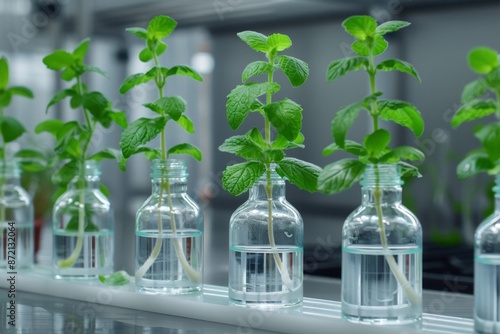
{"points": [[68, 262], [269, 192], [193, 275], [408, 290]]}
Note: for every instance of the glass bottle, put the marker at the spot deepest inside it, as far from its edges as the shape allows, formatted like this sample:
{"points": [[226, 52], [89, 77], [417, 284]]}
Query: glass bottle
{"points": [[382, 263], [16, 219], [487, 270], [265, 253], [169, 234], [83, 228]]}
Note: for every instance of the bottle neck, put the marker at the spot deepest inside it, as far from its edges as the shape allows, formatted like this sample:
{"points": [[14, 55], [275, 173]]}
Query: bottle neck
{"points": [[10, 173], [89, 176], [169, 176], [384, 181], [268, 184]]}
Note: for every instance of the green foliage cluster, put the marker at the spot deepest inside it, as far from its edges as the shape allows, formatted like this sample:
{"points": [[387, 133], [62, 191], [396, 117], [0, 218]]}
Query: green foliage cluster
{"points": [[168, 108], [73, 138], [285, 116], [480, 98], [11, 128], [369, 42]]}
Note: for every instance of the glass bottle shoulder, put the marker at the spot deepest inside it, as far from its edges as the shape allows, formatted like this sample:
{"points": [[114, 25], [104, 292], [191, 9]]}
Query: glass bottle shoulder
{"points": [[15, 195], [490, 225], [257, 210], [392, 214], [182, 202]]}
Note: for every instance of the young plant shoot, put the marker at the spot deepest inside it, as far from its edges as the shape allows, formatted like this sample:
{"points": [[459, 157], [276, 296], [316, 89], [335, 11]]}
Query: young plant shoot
{"points": [[10, 130], [341, 175], [285, 116], [480, 98], [143, 130], [73, 138]]}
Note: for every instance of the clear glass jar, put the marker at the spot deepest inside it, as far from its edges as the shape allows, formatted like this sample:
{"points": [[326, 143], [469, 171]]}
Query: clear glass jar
{"points": [[16, 219], [382, 263], [487, 270], [169, 234], [265, 247], [83, 228]]}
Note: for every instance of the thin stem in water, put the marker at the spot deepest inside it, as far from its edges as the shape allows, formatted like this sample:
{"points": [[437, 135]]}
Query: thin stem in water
{"points": [[408, 290], [193, 275]]}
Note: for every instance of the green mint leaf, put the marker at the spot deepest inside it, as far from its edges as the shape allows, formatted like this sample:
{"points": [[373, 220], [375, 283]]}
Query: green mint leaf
{"points": [[408, 170], [257, 138], [89, 226], [255, 40], [377, 46], [185, 71], [21, 91], [68, 74], [96, 103], [489, 135], [243, 146], [343, 120], [66, 134], [172, 106], [52, 126], [349, 146], [390, 26], [255, 68], [240, 177], [81, 49], [473, 110], [4, 73], [59, 96], [140, 132], [483, 60], [186, 123], [145, 55], [94, 69], [300, 173], [398, 65], [186, 148], [138, 32], [11, 129], [341, 67], [242, 98], [408, 153], [295, 69], [281, 143], [110, 153], [493, 79], [278, 42], [160, 27], [360, 26], [58, 60], [340, 175], [474, 163], [75, 101], [286, 117], [473, 90], [5, 98], [70, 149], [376, 142], [134, 80], [149, 153], [32, 160], [116, 278], [403, 114], [105, 191], [160, 48], [119, 117], [65, 173]]}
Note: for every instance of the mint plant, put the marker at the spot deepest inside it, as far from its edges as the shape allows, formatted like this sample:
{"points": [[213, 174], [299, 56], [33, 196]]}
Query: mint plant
{"points": [[480, 99], [285, 116], [143, 130], [11, 129], [73, 138], [341, 175]]}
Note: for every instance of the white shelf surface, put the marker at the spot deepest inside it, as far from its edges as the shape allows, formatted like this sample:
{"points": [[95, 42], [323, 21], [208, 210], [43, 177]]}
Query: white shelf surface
{"points": [[314, 316]]}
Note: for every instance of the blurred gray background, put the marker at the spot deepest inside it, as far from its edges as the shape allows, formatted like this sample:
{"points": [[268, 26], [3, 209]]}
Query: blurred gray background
{"points": [[437, 42]]}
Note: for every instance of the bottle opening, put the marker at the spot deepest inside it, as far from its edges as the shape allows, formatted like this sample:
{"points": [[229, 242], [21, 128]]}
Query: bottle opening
{"points": [[170, 168], [382, 175]]}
